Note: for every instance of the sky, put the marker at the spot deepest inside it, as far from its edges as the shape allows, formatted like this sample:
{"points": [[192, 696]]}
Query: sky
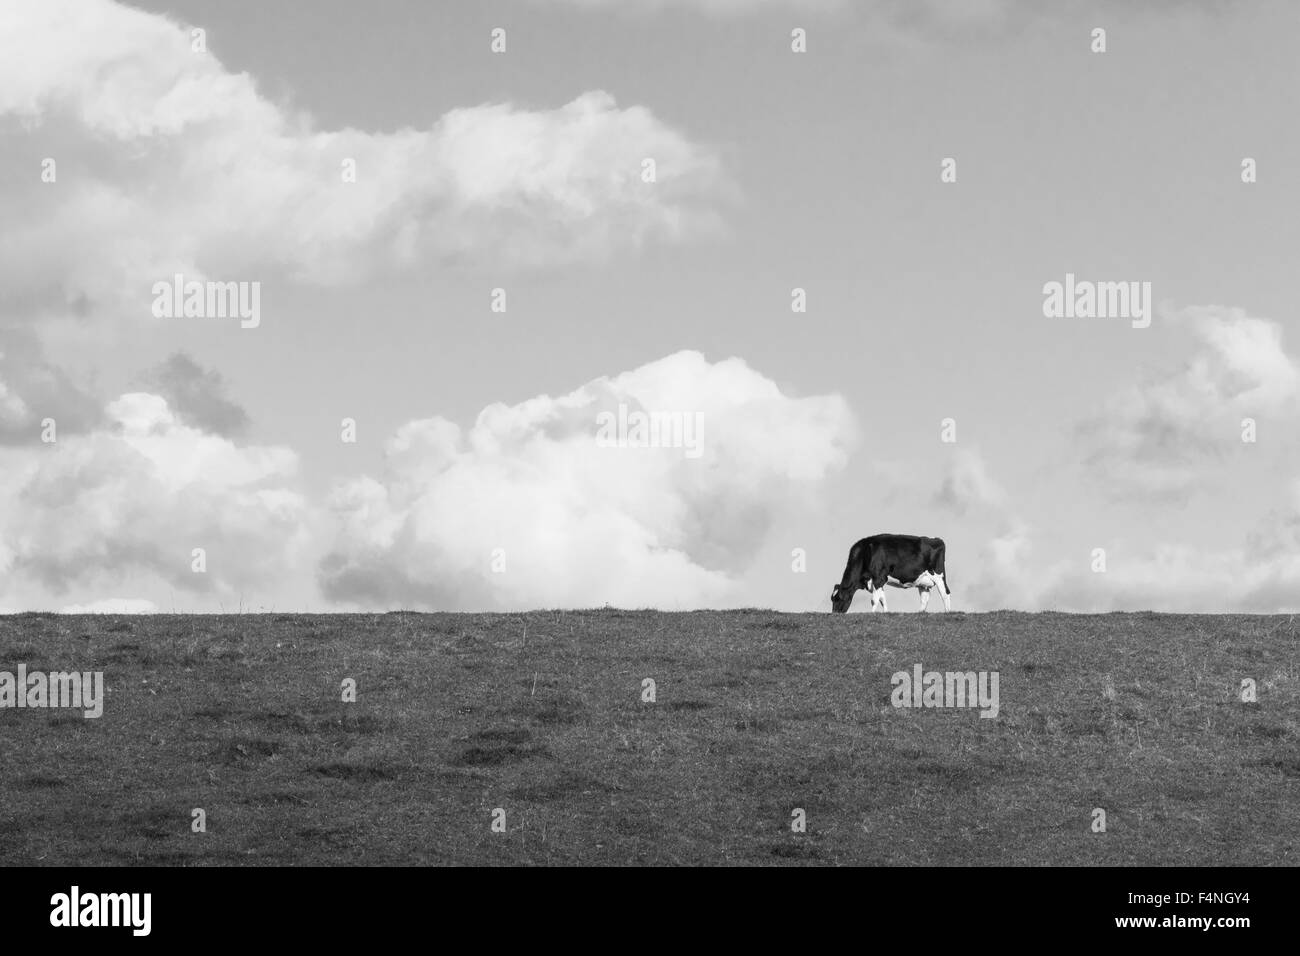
{"points": [[459, 250]]}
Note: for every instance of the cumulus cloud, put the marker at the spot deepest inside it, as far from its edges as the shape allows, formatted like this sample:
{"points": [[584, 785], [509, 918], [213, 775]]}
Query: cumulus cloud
{"points": [[1179, 577], [197, 396], [1000, 565], [900, 22], [32, 390], [1013, 569], [167, 162], [709, 6], [1258, 574], [1159, 441], [528, 508], [112, 606], [1155, 439], [923, 11], [136, 496], [967, 485]]}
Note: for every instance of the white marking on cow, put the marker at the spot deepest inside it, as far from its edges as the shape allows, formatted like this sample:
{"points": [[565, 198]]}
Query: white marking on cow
{"points": [[942, 585], [924, 582]]}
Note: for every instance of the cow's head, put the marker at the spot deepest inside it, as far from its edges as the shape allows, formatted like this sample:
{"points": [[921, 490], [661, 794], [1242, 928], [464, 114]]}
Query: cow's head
{"points": [[841, 598]]}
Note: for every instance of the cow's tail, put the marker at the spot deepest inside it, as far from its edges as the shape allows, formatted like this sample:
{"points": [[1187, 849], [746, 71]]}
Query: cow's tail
{"points": [[943, 569]]}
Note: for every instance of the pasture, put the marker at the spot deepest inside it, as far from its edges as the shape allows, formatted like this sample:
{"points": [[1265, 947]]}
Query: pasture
{"points": [[756, 714]]}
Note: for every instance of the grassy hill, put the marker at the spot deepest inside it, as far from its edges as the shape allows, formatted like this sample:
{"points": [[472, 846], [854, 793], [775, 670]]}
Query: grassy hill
{"points": [[756, 714]]}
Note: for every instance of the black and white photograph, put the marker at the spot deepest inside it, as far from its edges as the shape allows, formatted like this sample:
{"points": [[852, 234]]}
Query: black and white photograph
{"points": [[650, 433]]}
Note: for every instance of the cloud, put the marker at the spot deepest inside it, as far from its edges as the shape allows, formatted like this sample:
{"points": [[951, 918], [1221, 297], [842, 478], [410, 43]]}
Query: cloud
{"points": [[167, 162], [112, 606], [999, 564], [954, 11], [196, 396], [1153, 441], [1259, 574], [133, 498], [966, 485], [1010, 571], [726, 7], [1182, 578], [1156, 439], [529, 509], [32, 390], [895, 21]]}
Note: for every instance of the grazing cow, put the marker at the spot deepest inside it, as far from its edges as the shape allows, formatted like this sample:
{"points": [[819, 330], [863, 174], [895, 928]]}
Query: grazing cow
{"points": [[899, 560]]}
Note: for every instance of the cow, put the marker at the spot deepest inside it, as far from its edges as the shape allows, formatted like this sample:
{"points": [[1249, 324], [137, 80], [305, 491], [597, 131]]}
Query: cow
{"points": [[899, 560]]}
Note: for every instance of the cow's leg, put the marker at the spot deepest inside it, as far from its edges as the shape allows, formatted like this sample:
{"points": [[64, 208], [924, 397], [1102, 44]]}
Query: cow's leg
{"points": [[883, 605], [942, 585], [872, 591], [925, 597]]}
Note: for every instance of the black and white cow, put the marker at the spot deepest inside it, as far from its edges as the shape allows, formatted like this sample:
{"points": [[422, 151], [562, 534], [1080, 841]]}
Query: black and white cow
{"points": [[899, 560]]}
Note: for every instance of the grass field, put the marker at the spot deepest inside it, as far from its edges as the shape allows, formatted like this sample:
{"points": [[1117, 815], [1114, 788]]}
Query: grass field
{"points": [[757, 714]]}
